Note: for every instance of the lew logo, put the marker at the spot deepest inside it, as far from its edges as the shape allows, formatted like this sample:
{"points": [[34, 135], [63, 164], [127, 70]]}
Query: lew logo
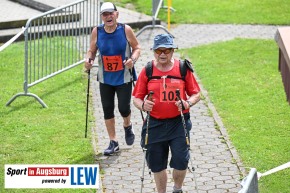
{"points": [[83, 176]]}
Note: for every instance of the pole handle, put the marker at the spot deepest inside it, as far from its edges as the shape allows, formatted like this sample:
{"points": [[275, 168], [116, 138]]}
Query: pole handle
{"points": [[178, 96], [150, 95]]}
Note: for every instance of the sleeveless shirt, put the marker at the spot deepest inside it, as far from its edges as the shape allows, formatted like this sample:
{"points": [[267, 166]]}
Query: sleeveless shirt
{"points": [[113, 49]]}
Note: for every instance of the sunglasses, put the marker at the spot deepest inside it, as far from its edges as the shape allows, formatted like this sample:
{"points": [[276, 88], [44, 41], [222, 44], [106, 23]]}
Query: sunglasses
{"points": [[165, 51]]}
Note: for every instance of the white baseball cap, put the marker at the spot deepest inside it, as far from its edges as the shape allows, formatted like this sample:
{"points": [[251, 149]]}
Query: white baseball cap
{"points": [[108, 7]]}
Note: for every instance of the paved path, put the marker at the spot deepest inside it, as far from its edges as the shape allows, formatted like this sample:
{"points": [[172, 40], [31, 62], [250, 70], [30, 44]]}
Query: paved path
{"points": [[217, 164], [214, 159], [218, 167]]}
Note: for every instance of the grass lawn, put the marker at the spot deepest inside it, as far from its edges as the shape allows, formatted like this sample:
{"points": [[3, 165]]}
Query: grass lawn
{"points": [[241, 77], [32, 134], [275, 12], [243, 82]]}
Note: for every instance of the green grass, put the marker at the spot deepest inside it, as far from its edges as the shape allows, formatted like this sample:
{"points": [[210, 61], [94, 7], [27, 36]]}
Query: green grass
{"points": [[243, 82], [275, 12], [242, 79], [31, 134]]}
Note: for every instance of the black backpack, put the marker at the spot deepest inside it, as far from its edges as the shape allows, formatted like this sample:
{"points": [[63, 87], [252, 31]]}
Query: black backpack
{"points": [[184, 65]]}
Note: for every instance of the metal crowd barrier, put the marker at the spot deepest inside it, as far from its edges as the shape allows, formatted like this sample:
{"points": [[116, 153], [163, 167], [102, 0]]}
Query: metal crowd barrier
{"points": [[250, 183], [56, 41], [156, 5]]}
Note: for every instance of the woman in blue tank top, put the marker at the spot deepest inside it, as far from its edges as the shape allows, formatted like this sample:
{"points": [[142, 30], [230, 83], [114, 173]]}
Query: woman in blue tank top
{"points": [[118, 51]]}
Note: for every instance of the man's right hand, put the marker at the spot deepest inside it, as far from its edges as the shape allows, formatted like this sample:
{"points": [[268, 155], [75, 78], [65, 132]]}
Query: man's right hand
{"points": [[89, 63]]}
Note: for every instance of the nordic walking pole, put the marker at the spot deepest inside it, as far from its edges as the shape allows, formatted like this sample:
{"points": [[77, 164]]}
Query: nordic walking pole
{"points": [[182, 117], [146, 141], [88, 96], [132, 80], [88, 93], [186, 137]]}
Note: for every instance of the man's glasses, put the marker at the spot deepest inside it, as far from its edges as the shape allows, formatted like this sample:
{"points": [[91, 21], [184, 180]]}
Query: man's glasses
{"points": [[165, 51]]}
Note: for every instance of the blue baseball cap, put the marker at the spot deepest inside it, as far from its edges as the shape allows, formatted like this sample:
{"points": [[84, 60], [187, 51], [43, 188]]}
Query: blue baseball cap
{"points": [[163, 41]]}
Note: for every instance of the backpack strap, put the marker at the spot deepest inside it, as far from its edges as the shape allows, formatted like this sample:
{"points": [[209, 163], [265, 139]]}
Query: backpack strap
{"points": [[149, 70], [183, 66], [188, 65]]}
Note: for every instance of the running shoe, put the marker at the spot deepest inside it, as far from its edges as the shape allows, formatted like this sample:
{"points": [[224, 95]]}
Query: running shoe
{"points": [[113, 148], [129, 135]]}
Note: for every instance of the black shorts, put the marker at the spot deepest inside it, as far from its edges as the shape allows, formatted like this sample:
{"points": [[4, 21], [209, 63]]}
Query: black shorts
{"points": [[124, 93], [165, 135], [157, 154]]}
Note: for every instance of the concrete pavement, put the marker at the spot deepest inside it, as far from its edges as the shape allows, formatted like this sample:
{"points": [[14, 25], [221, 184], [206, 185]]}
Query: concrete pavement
{"points": [[216, 170]]}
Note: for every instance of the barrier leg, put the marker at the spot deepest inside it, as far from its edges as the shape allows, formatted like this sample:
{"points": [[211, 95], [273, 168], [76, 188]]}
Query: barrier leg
{"points": [[27, 94]]}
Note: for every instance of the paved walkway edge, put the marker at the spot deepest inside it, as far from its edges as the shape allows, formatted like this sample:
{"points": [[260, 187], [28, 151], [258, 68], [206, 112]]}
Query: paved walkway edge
{"points": [[222, 129]]}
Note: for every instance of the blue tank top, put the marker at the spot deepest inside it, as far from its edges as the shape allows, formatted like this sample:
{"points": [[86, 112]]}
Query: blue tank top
{"points": [[113, 50]]}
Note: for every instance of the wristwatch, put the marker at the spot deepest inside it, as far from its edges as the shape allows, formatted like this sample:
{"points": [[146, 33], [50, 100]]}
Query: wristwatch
{"points": [[190, 103]]}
